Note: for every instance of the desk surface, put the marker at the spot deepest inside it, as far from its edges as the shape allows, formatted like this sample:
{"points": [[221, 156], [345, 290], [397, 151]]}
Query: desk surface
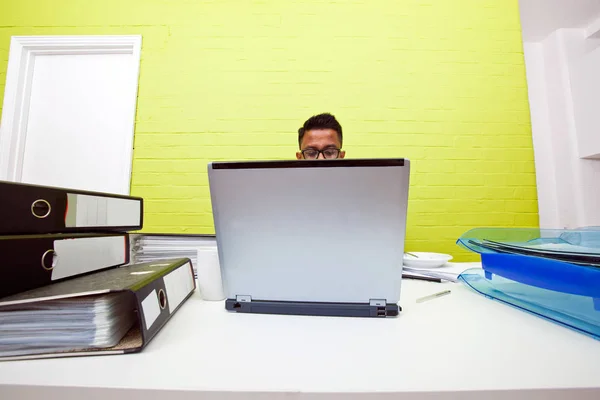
{"points": [[457, 345]]}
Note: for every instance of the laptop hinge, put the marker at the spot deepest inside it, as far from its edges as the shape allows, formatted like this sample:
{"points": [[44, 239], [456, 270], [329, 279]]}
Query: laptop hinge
{"points": [[378, 307], [243, 298]]}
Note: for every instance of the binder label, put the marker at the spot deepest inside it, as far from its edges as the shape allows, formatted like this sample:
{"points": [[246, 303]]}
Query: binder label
{"points": [[78, 256], [150, 308], [88, 211], [178, 284]]}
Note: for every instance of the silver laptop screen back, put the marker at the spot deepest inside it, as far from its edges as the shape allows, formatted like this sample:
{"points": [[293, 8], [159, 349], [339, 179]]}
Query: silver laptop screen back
{"points": [[315, 231]]}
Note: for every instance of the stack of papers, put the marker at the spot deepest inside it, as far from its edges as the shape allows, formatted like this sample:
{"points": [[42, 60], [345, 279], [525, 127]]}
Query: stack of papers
{"points": [[153, 247], [557, 251], [574, 246], [99, 321], [449, 272]]}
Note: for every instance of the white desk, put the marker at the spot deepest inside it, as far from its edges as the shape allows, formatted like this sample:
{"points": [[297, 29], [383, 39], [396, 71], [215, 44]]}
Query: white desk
{"points": [[461, 346]]}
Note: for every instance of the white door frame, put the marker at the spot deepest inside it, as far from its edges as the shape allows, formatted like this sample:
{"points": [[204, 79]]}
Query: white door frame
{"points": [[19, 75]]}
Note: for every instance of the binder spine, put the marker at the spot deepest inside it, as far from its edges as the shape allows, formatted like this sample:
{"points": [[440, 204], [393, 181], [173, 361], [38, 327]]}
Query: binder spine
{"points": [[26, 209], [29, 262], [31, 209], [162, 297]]}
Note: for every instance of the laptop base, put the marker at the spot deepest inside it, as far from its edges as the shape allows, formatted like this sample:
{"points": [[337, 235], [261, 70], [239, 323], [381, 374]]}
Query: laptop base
{"points": [[313, 308]]}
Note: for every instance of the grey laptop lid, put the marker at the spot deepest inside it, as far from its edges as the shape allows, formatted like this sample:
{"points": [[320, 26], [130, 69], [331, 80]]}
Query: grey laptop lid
{"points": [[311, 231]]}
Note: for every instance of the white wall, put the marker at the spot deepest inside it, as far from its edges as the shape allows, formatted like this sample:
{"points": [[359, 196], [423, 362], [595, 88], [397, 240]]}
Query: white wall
{"points": [[563, 74], [539, 18], [80, 118], [69, 111], [542, 147], [584, 68]]}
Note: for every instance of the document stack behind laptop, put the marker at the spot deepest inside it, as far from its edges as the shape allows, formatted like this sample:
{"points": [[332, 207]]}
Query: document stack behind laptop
{"points": [[157, 246], [62, 292]]}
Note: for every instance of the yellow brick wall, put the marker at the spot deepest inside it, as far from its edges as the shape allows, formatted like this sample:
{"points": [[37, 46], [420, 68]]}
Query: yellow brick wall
{"points": [[440, 82]]}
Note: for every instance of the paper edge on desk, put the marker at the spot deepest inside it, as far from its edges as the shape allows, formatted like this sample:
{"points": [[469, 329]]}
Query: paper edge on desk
{"points": [[56, 297], [132, 342], [62, 355]]}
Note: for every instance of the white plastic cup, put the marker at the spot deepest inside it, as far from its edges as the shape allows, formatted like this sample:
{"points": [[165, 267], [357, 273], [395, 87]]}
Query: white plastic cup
{"points": [[209, 274]]}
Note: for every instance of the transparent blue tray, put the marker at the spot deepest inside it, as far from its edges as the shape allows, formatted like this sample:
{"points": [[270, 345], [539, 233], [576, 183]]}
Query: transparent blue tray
{"points": [[566, 294], [544, 273], [581, 246]]}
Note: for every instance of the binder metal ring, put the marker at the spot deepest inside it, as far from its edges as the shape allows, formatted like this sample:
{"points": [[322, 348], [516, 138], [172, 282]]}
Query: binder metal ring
{"points": [[39, 202], [44, 257], [162, 299]]}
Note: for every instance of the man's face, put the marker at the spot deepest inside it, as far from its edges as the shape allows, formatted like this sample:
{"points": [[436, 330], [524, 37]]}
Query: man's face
{"points": [[324, 140]]}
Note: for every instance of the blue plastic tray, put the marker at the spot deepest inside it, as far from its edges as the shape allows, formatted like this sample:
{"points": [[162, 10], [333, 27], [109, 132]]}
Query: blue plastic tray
{"points": [[544, 273], [575, 311], [580, 247]]}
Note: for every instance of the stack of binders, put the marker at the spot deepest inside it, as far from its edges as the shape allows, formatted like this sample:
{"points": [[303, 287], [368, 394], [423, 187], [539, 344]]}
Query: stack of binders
{"points": [[67, 285]]}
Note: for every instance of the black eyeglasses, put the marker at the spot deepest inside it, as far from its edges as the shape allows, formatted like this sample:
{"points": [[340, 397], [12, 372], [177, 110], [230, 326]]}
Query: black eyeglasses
{"points": [[329, 153]]}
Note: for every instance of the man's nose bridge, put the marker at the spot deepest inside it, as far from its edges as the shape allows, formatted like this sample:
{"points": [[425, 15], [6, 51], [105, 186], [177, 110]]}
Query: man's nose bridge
{"points": [[321, 156]]}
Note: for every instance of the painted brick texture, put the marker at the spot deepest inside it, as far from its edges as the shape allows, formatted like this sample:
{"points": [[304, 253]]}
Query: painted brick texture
{"points": [[439, 82]]}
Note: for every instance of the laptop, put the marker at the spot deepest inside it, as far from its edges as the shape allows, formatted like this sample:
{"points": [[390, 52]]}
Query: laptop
{"points": [[311, 237]]}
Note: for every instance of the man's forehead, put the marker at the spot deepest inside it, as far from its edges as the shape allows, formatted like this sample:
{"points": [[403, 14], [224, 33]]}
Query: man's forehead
{"points": [[321, 137]]}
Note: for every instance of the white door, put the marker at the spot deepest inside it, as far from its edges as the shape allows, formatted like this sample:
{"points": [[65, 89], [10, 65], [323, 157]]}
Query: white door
{"points": [[69, 112]]}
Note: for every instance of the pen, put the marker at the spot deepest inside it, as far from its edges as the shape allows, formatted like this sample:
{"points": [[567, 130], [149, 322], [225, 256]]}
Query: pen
{"points": [[421, 278], [433, 296]]}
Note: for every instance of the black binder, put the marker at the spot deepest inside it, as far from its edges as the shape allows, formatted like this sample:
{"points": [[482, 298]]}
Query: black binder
{"points": [[155, 291], [33, 261], [30, 209]]}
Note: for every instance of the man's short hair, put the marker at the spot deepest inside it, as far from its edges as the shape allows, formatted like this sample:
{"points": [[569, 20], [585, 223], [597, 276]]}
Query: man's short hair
{"points": [[321, 121]]}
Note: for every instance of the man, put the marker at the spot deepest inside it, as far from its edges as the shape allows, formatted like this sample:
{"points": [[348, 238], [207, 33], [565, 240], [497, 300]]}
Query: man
{"points": [[320, 138]]}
